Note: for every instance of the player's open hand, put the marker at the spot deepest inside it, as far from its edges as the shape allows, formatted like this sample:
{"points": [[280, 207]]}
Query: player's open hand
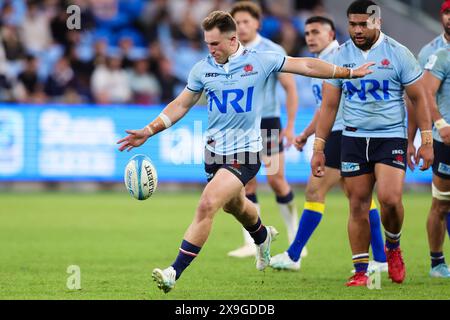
{"points": [[445, 135], [135, 138], [300, 141], [287, 135], [363, 70], [318, 164], [411, 155], [425, 153]]}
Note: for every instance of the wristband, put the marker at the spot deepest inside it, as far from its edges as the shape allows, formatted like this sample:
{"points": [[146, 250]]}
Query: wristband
{"points": [[441, 123], [427, 137], [150, 131], [159, 124], [166, 120], [319, 144], [342, 73]]}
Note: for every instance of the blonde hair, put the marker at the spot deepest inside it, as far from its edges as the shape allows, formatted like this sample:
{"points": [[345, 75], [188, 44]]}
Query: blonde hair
{"points": [[221, 20]]}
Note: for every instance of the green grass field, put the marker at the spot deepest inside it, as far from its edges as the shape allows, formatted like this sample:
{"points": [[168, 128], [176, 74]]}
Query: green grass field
{"points": [[117, 241]]}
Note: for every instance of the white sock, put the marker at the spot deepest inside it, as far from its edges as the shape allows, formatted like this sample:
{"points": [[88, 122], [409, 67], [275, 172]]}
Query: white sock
{"points": [[247, 237], [290, 216]]}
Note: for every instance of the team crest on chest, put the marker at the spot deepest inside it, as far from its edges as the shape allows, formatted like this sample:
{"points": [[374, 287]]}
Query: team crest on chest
{"points": [[248, 69], [385, 64]]}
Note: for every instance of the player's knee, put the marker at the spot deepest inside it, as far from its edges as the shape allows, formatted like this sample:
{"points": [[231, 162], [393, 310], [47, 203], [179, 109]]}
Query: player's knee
{"points": [[207, 206], [277, 183], [359, 204], [443, 210], [440, 209], [390, 201], [313, 194]]}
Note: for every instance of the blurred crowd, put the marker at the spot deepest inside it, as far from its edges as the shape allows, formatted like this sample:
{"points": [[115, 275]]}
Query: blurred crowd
{"points": [[125, 51]]}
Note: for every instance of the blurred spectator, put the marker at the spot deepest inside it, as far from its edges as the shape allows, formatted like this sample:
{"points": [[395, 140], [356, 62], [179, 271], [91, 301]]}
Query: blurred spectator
{"points": [[197, 9], [313, 7], [12, 12], [167, 80], [279, 8], [6, 93], [100, 52], [144, 85], [290, 39], [155, 55], [14, 50], [155, 21], [58, 27], [29, 76], [5, 83], [129, 39], [60, 80], [109, 83], [73, 66], [36, 35]]}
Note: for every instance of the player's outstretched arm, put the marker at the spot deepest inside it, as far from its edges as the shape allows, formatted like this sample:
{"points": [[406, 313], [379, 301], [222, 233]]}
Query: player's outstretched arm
{"points": [[416, 94], [302, 138], [412, 130], [328, 110], [173, 112], [432, 85], [316, 68]]}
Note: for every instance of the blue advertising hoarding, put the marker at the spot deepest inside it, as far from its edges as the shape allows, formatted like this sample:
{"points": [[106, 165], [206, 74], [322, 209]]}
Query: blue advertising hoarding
{"points": [[78, 143]]}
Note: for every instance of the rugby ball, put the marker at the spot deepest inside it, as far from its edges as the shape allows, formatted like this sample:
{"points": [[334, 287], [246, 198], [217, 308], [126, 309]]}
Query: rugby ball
{"points": [[140, 177]]}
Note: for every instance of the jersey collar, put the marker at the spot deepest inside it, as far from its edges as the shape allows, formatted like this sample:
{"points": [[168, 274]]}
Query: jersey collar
{"points": [[237, 54], [234, 56], [444, 39], [255, 42], [333, 45]]}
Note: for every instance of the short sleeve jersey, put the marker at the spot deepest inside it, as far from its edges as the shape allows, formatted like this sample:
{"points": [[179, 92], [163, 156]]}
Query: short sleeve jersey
{"points": [[373, 106], [271, 105], [235, 93], [439, 66]]}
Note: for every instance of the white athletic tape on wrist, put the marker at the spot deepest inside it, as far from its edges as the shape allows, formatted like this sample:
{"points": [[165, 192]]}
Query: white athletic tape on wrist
{"points": [[334, 71], [150, 130], [440, 195], [441, 123], [166, 120]]}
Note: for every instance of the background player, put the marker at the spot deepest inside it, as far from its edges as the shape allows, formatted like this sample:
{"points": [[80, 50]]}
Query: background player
{"points": [[437, 88], [441, 41], [233, 134], [374, 143], [320, 36], [248, 16]]}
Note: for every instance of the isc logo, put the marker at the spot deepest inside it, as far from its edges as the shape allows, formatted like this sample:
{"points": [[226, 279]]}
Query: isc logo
{"points": [[232, 97], [368, 86]]}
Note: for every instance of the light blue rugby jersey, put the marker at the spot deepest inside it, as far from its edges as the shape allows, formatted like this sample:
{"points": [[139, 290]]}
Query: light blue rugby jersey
{"points": [[430, 48], [439, 65], [271, 106], [374, 104], [316, 84], [235, 93]]}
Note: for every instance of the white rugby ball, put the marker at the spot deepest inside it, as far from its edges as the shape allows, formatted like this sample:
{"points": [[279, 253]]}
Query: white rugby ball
{"points": [[140, 178]]}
